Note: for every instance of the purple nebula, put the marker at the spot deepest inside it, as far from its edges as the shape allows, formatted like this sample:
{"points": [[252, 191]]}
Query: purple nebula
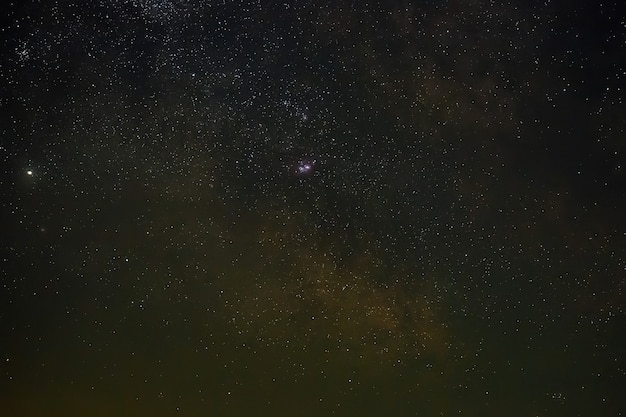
{"points": [[304, 167]]}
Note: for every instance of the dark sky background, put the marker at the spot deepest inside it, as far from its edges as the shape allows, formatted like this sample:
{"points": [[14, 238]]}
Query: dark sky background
{"points": [[304, 208]]}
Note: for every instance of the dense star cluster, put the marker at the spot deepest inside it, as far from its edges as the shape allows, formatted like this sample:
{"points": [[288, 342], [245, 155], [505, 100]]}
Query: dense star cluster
{"points": [[247, 207]]}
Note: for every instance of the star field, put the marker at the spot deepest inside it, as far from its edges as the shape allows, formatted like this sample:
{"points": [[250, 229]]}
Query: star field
{"points": [[233, 207]]}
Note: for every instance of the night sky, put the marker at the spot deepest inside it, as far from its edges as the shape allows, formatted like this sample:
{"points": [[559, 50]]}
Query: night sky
{"points": [[231, 208]]}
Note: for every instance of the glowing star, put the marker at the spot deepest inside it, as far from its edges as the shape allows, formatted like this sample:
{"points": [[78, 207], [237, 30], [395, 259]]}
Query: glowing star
{"points": [[29, 173]]}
